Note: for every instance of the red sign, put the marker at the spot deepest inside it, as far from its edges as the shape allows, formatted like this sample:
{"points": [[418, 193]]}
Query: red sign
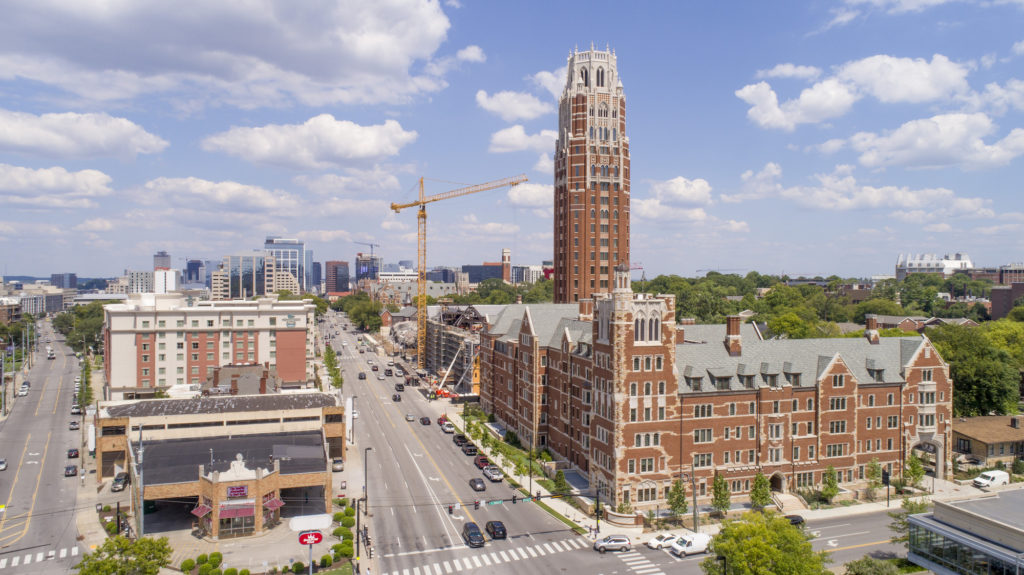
{"points": [[310, 537], [238, 491]]}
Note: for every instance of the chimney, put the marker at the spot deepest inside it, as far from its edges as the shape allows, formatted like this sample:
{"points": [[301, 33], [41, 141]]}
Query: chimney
{"points": [[871, 328], [506, 265], [732, 335], [586, 309], [519, 298], [1015, 422], [688, 321], [680, 335]]}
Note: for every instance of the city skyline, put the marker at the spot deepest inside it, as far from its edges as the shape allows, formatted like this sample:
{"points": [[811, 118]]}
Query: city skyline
{"points": [[806, 140]]}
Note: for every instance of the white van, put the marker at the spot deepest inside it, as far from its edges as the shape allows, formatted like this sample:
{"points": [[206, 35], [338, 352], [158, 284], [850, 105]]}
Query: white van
{"points": [[691, 544], [992, 478]]}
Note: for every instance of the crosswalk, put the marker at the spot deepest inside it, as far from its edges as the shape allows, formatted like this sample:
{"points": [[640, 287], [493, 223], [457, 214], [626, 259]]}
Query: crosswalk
{"points": [[19, 560], [487, 559], [639, 564]]}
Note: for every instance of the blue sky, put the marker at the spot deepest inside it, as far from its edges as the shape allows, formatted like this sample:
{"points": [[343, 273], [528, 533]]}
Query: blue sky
{"points": [[797, 137]]}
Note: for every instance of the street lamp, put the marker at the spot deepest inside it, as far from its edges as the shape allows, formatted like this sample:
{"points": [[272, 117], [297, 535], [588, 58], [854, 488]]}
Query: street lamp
{"points": [[366, 500], [352, 432], [725, 565], [692, 478]]}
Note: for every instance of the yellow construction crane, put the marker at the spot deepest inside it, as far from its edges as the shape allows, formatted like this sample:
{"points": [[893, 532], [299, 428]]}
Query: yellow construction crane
{"points": [[421, 253]]}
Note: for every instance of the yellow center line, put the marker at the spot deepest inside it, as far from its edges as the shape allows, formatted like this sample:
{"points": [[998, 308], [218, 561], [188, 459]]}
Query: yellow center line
{"points": [[859, 545], [28, 520], [21, 462]]}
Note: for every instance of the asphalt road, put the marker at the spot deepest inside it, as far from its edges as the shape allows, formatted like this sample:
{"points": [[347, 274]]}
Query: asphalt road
{"points": [[37, 527], [415, 472]]}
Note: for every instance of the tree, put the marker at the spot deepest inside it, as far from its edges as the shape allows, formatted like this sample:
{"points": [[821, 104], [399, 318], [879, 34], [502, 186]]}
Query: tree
{"points": [[561, 485], [122, 556], [829, 484], [873, 474], [677, 498], [985, 378], [868, 565], [721, 497], [913, 471], [900, 525], [764, 544], [761, 492]]}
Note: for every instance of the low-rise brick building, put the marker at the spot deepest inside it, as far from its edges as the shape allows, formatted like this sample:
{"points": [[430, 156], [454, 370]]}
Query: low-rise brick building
{"points": [[615, 389], [990, 439]]}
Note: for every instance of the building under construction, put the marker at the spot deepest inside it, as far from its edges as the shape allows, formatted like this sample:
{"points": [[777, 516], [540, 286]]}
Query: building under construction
{"points": [[453, 343]]}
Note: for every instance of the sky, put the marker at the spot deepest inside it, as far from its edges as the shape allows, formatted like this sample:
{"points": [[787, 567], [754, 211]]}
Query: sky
{"points": [[804, 138]]}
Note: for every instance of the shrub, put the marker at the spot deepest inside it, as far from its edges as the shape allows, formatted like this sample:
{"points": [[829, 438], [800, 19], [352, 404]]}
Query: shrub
{"points": [[204, 569], [338, 517], [298, 567], [337, 532], [106, 508], [202, 559], [512, 439], [326, 561], [111, 527], [346, 550], [337, 557], [341, 502], [215, 572], [231, 571], [243, 572], [336, 547], [216, 558], [187, 565], [1018, 467], [350, 512], [285, 569], [346, 533], [348, 522]]}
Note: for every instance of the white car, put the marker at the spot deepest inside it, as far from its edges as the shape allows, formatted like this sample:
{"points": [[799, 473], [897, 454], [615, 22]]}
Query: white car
{"points": [[690, 544], [663, 540], [22, 392], [355, 414]]}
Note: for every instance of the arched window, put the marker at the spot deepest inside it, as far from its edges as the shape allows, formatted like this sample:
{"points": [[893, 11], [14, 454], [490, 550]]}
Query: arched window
{"points": [[616, 171], [647, 388], [615, 134], [636, 440], [600, 77], [585, 76], [653, 334], [647, 440], [657, 439], [593, 168], [593, 214], [661, 388], [616, 214], [632, 389], [591, 132]]}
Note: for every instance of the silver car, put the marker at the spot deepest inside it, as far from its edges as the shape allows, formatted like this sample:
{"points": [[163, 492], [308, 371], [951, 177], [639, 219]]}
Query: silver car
{"points": [[613, 543]]}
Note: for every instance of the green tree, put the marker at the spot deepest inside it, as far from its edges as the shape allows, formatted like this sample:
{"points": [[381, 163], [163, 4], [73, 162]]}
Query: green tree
{"points": [[873, 474], [721, 497], [792, 326], [900, 525], [122, 556], [913, 471], [868, 565], [985, 378], [876, 306], [761, 492], [830, 484], [561, 485], [764, 544], [677, 498]]}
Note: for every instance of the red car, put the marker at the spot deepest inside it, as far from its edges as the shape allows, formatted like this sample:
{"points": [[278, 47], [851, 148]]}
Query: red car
{"points": [[442, 420], [481, 461]]}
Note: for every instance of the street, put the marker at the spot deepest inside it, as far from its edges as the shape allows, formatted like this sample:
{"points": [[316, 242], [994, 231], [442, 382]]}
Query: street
{"points": [[37, 524]]}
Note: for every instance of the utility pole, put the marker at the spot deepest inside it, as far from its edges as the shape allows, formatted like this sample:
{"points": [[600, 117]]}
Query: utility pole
{"points": [[142, 489], [357, 535]]}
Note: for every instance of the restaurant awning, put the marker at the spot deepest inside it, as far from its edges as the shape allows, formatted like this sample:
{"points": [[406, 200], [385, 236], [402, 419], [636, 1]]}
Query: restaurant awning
{"points": [[228, 512], [273, 504], [201, 511]]}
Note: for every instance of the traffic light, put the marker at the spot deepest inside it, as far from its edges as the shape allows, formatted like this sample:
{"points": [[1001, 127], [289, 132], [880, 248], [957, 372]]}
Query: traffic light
{"points": [[451, 510], [476, 504], [513, 499], [885, 477]]}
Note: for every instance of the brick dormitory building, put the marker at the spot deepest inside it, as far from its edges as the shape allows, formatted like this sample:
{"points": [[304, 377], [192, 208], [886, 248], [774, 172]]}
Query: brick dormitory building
{"points": [[614, 388]]}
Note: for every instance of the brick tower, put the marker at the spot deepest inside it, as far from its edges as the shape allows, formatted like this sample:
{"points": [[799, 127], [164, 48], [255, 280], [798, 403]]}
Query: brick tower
{"points": [[591, 235]]}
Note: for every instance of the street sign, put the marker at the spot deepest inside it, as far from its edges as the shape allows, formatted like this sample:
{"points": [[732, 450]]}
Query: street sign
{"points": [[310, 537], [495, 502]]}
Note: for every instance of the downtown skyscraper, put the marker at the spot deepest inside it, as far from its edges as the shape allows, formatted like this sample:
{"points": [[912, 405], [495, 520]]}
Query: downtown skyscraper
{"points": [[591, 235]]}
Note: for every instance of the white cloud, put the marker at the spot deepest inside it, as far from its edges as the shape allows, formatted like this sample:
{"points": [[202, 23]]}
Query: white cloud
{"points": [[51, 187], [196, 52], [325, 236], [392, 225], [840, 17], [1018, 48], [453, 3], [900, 6], [471, 224], [763, 184], [512, 106], [680, 190], [354, 181], [95, 225], [75, 135], [998, 99], [788, 70], [886, 78], [320, 142], [553, 81], [735, 226], [532, 195], [891, 79], [545, 164], [943, 140], [201, 194], [515, 139], [471, 53], [938, 228], [831, 146]]}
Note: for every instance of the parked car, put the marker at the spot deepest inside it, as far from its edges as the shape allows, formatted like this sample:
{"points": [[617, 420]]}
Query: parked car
{"points": [[496, 529], [121, 480], [469, 449], [72, 453], [481, 461], [992, 478], [22, 392], [690, 544], [459, 439], [75, 410], [399, 373], [493, 473], [448, 427], [471, 535], [399, 387], [410, 417], [442, 420], [396, 398], [70, 471], [613, 543], [73, 426], [337, 464], [663, 540], [797, 520], [477, 484]]}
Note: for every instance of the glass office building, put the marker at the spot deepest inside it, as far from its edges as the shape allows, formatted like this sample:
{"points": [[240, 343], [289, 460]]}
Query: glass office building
{"points": [[292, 256]]}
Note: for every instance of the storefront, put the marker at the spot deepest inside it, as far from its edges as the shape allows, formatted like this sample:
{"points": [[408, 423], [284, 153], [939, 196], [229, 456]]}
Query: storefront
{"points": [[227, 507]]}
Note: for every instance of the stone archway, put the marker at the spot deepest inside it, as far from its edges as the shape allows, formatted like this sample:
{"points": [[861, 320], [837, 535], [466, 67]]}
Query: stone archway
{"points": [[931, 452], [778, 482]]}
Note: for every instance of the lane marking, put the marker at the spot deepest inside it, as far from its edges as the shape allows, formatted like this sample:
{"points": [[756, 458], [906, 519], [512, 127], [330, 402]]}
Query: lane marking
{"points": [[861, 545], [35, 494], [842, 535], [17, 473]]}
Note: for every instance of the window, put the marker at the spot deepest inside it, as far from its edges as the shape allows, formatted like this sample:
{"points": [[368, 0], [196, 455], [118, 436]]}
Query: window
{"points": [[775, 406], [869, 423], [796, 405], [927, 397], [810, 452], [888, 399], [837, 426], [775, 454], [750, 456], [835, 450], [810, 404], [145, 358], [775, 430], [837, 404], [871, 401], [702, 436], [661, 387], [796, 453], [659, 363], [732, 409], [751, 409], [632, 389], [805, 479], [647, 465], [892, 422], [632, 414], [838, 380], [636, 363], [631, 465], [726, 434], [702, 460], [926, 419], [702, 410], [750, 432], [926, 375]]}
